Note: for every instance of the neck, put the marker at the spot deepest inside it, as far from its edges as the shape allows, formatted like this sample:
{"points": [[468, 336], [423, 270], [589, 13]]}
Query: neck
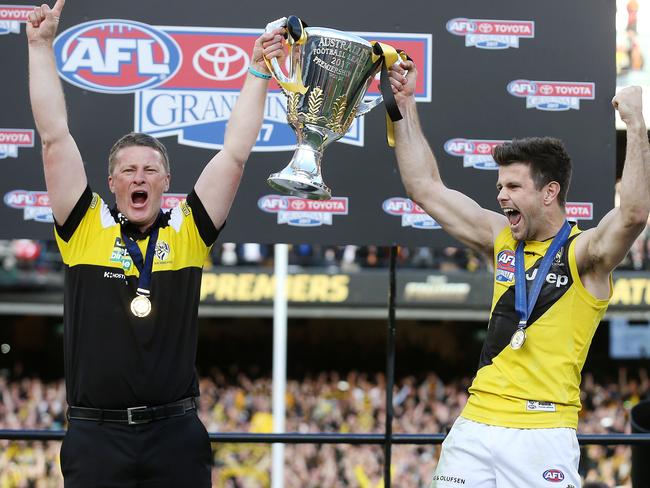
{"points": [[551, 225]]}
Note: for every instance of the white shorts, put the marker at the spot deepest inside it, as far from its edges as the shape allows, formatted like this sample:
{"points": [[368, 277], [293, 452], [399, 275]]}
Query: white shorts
{"points": [[486, 456]]}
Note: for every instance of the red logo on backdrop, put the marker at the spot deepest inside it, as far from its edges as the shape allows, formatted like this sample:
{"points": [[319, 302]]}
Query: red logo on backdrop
{"points": [[35, 204], [411, 213], [11, 16], [172, 200], [301, 212], [492, 34], [476, 153], [579, 210], [552, 95], [12, 139]]}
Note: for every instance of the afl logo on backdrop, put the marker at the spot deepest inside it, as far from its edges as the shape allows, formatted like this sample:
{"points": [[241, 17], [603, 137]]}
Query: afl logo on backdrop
{"points": [[116, 56]]}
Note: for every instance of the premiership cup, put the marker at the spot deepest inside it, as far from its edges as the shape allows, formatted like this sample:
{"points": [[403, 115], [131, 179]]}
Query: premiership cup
{"points": [[329, 73]]}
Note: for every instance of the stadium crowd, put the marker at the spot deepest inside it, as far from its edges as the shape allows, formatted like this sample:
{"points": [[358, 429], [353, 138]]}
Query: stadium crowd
{"points": [[326, 402]]}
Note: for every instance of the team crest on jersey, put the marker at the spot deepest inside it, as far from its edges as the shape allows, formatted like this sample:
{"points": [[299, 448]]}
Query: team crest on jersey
{"points": [[34, 204], [505, 269], [476, 153], [552, 95], [410, 212], [162, 250], [492, 34], [301, 212], [186, 80], [120, 254], [13, 139], [11, 16]]}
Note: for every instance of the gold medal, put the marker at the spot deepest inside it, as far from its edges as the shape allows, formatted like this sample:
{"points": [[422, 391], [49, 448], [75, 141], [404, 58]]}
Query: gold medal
{"points": [[140, 306], [518, 338]]}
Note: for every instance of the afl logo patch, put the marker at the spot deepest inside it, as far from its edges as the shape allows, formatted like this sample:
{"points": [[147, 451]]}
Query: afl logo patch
{"points": [[505, 267]]}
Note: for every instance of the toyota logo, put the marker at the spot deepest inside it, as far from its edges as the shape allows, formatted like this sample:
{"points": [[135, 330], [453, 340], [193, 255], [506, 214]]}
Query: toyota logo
{"points": [[298, 204], [484, 148], [220, 62], [485, 28], [546, 89]]}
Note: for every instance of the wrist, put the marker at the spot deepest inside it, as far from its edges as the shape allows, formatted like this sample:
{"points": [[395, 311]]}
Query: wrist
{"points": [[255, 71]]}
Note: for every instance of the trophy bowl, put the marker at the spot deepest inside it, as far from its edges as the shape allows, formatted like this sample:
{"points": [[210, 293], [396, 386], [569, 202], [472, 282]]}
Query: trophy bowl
{"points": [[329, 73]]}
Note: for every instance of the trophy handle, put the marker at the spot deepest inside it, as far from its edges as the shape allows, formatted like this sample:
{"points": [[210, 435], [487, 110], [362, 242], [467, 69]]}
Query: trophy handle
{"points": [[296, 34], [365, 107]]}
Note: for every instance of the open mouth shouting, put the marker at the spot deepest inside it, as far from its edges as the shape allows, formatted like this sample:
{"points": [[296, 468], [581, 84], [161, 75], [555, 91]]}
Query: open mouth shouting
{"points": [[514, 216], [139, 198]]}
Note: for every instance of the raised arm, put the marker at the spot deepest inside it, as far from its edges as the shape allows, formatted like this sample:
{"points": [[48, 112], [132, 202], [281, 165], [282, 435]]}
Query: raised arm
{"points": [[65, 176], [457, 213], [600, 250], [218, 183]]}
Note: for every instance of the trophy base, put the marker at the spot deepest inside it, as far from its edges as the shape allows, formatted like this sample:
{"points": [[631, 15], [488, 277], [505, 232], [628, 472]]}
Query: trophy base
{"points": [[299, 186]]}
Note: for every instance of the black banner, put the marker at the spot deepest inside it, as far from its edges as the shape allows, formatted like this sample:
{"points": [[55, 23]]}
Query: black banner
{"points": [[489, 72]]}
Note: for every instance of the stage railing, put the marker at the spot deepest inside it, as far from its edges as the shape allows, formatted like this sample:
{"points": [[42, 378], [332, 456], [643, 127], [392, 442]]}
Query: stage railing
{"points": [[327, 438]]}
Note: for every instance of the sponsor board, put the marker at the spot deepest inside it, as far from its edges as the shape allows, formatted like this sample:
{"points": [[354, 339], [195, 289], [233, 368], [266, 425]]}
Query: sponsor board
{"points": [[301, 212], [552, 96], [186, 80], [411, 213], [476, 153], [579, 210], [11, 16], [34, 204], [12, 139], [491, 34]]}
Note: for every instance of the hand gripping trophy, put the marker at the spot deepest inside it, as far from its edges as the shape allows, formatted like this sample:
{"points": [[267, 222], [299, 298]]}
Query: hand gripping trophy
{"points": [[329, 74]]}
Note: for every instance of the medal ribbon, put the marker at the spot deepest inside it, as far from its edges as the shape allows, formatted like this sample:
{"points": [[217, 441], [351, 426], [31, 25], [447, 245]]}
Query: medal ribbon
{"points": [[525, 307], [144, 266]]}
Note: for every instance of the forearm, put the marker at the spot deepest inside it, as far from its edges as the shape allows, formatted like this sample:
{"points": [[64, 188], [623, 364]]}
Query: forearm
{"points": [[246, 119], [46, 94], [417, 164], [635, 180]]}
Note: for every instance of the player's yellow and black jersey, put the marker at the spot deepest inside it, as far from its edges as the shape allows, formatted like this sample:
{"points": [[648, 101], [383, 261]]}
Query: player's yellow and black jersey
{"points": [[112, 358], [537, 386]]}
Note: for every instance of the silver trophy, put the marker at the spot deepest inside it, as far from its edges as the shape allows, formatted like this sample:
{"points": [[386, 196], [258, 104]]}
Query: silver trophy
{"points": [[329, 74]]}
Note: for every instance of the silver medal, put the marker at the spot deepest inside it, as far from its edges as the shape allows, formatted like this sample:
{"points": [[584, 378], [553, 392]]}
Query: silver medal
{"points": [[518, 339], [140, 306]]}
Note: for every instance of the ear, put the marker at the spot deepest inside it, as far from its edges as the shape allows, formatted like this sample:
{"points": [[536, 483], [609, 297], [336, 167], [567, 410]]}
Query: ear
{"points": [[551, 192], [167, 180], [111, 185]]}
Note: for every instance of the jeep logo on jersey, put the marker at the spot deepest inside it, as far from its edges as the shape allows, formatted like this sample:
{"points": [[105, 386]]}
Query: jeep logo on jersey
{"points": [[301, 212], [579, 210], [35, 204], [195, 104], [552, 95], [411, 213], [476, 153], [553, 475], [116, 56], [221, 61], [491, 34], [11, 16], [12, 139], [505, 269]]}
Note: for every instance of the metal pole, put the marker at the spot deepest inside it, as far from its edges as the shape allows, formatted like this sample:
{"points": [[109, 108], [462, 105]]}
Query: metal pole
{"points": [[279, 360], [390, 368]]}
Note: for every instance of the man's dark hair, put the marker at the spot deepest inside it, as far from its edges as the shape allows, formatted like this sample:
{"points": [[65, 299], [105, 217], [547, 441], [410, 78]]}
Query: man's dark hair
{"points": [[137, 139], [546, 157]]}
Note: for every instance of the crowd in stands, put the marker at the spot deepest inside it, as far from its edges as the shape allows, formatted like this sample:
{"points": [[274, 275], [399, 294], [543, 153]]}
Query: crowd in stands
{"points": [[326, 402]]}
